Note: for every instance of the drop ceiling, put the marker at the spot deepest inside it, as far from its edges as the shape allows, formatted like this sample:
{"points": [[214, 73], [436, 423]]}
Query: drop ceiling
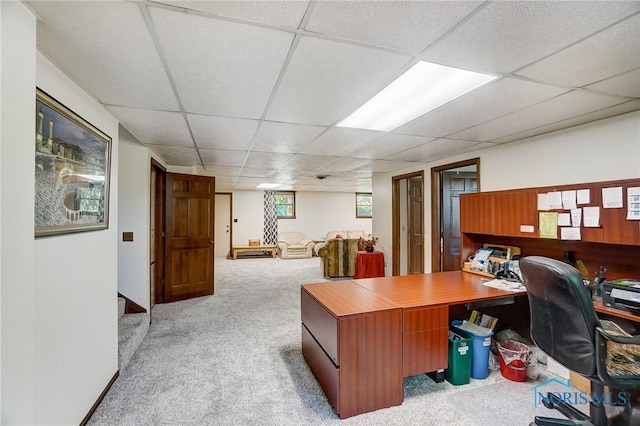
{"points": [[251, 91]]}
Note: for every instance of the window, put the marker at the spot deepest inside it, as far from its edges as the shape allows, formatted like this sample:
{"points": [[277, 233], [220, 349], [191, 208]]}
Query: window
{"points": [[364, 207], [286, 204]]}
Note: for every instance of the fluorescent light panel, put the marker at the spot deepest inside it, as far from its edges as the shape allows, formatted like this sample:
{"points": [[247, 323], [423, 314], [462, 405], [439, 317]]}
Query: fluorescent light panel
{"points": [[268, 185], [422, 88]]}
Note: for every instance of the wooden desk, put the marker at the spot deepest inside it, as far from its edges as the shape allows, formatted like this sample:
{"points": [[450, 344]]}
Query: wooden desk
{"points": [[271, 249], [364, 318], [369, 265]]}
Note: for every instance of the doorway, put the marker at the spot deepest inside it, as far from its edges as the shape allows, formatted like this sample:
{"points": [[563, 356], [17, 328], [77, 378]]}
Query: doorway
{"points": [[447, 183], [156, 233], [408, 224], [224, 202]]}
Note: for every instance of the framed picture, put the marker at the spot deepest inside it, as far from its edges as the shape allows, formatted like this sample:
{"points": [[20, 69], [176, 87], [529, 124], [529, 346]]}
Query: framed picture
{"points": [[72, 171]]}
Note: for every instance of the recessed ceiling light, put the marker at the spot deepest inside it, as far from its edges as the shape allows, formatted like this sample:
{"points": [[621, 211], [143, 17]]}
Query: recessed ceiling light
{"points": [[268, 185], [422, 88]]}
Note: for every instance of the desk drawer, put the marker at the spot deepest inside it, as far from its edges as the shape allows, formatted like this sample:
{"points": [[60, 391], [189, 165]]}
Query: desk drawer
{"points": [[321, 324], [323, 369], [421, 319]]}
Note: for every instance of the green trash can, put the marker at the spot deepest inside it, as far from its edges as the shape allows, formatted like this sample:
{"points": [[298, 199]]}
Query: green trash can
{"points": [[459, 368]]}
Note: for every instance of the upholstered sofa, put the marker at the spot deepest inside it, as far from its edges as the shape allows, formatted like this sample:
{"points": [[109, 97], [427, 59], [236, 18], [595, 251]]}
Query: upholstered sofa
{"points": [[338, 253], [294, 245]]}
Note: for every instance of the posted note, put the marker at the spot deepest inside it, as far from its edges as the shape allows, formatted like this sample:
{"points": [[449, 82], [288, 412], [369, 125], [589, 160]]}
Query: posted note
{"points": [[548, 224], [591, 216], [612, 197]]}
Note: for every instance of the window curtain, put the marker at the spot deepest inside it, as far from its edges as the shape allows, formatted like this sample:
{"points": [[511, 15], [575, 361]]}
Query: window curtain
{"points": [[270, 218]]}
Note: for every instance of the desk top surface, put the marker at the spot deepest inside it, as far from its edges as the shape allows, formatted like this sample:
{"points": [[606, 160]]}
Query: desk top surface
{"points": [[439, 288]]}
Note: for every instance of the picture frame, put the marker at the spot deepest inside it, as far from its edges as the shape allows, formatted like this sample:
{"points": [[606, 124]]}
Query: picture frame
{"points": [[72, 171]]}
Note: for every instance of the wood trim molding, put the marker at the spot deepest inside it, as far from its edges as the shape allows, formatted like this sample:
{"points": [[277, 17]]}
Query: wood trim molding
{"points": [[95, 405], [436, 206], [132, 307], [395, 218]]}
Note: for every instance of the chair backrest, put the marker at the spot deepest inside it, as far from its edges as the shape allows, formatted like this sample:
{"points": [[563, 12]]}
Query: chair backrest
{"points": [[563, 319]]}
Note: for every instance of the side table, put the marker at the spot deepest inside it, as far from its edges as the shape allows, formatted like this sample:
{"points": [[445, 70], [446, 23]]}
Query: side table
{"points": [[369, 265]]}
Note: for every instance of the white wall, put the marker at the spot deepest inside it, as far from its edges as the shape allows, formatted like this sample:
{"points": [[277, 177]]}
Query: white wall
{"points": [[320, 212], [17, 280], [76, 339], [604, 150], [133, 216], [316, 214]]}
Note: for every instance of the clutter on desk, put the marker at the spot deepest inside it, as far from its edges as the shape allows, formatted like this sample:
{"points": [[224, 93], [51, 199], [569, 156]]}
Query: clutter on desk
{"points": [[622, 294], [505, 285], [492, 259]]}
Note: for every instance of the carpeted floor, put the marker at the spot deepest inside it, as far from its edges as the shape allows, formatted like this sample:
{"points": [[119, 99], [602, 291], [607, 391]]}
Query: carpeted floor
{"points": [[234, 359]]}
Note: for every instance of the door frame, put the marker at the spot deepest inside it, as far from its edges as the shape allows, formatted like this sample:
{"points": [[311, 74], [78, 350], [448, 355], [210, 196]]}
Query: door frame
{"points": [[436, 206], [395, 220], [158, 247], [230, 194]]}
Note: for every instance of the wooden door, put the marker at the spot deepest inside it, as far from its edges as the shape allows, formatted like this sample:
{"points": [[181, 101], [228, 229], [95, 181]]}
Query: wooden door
{"points": [[453, 184], [416, 226], [156, 234], [190, 204], [223, 225]]}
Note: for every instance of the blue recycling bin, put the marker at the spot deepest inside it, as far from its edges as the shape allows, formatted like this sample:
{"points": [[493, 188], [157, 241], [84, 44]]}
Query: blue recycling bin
{"points": [[480, 347]]}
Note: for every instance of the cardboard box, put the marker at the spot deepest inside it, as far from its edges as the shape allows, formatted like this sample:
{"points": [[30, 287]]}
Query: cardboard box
{"points": [[253, 242]]}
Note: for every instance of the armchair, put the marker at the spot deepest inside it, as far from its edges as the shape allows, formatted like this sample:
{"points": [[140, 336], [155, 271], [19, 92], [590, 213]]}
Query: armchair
{"points": [[338, 256], [294, 245], [565, 326]]}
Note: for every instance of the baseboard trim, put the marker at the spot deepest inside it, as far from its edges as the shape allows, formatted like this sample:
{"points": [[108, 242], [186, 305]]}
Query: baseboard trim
{"points": [[132, 307], [94, 407]]}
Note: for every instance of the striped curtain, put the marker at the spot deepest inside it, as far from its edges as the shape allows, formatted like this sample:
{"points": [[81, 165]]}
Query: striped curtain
{"points": [[270, 218]]}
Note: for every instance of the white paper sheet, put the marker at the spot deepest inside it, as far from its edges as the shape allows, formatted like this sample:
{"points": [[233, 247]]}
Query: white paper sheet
{"points": [[576, 217], [543, 202], [591, 216], [583, 196], [564, 219], [633, 204], [569, 200], [570, 233], [555, 200], [612, 197]]}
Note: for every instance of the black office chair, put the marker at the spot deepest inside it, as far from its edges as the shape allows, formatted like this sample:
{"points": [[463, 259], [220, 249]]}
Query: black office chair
{"points": [[565, 326]]}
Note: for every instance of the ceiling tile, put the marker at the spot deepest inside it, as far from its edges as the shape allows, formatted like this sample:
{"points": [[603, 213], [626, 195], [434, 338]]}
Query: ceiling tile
{"points": [[325, 80], [565, 106], [284, 137], [385, 166], [434, 150], [627, 84], [177, 155], [594, 59], [109, 40], [343, 164], [266, 160], [287, 13], [340, 141], [222, 171], [307, 162], [483, 104], [575, 121], [388, 145], [154, 127], [221, 68], [406, 25], [251, 172], [507, 35], [221, 132], [220, 157]]}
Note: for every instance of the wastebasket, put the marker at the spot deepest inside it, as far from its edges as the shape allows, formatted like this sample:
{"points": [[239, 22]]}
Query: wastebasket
{"points": [[481, 346], [514, 359], [459, 358]]}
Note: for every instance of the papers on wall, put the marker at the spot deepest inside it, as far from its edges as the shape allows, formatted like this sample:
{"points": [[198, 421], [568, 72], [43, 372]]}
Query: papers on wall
{"points": [[591, 217], [555, 200], [583, 196], [633, 204], [543, 202], [548, 224], [576, 217], [612, 197], [569, 200], [570, 233], [564, 219]]}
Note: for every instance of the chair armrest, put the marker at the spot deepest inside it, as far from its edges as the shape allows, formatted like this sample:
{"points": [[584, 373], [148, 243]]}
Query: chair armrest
{"points": [[629, 378]]}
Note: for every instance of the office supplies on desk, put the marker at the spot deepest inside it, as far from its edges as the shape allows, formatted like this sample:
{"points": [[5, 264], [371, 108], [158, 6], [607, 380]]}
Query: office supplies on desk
{"points": [[622, 294]]}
